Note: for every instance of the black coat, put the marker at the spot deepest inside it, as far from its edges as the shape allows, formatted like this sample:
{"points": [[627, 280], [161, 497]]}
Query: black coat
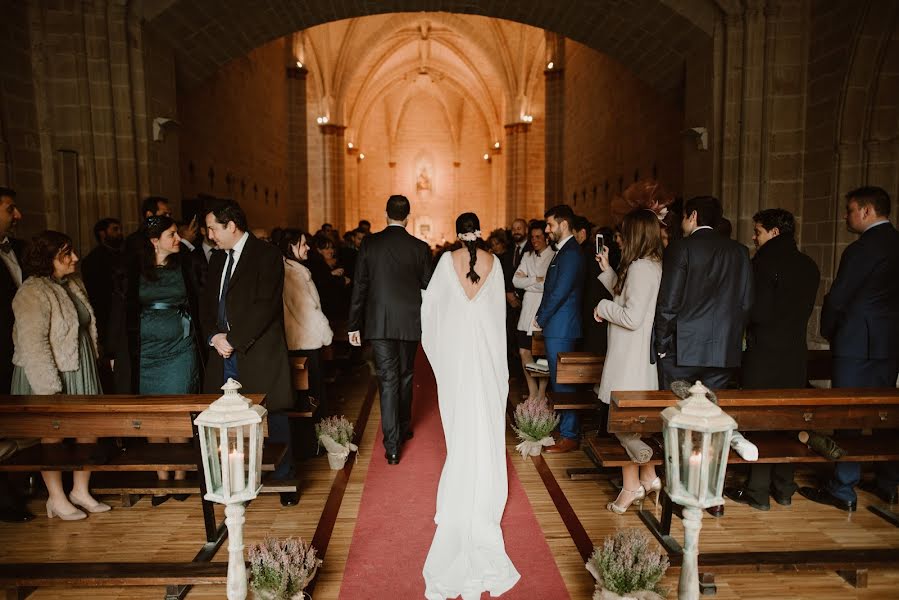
{"points": [[596, 335], [704, 301], [256, 313], [8, 289], [99, 270], [391, 270], [860, 315], [786, 286]]}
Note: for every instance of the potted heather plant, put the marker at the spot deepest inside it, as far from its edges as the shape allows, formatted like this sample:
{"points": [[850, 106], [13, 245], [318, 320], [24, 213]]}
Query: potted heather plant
{"points": [[534, 422], [281, 569], [336, 434], [625, 568]]}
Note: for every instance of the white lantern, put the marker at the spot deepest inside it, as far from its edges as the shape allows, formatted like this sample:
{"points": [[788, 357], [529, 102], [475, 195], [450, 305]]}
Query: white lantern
{"points": [[697, 442], [230, 433]]}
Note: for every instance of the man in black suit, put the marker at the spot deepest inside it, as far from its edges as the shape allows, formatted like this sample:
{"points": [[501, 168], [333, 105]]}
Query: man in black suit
{"points": [[98, 270], [860, 318], [595, 338], [391, 270], [12, 508], [242, 316], [786, 285], [704, 301]]}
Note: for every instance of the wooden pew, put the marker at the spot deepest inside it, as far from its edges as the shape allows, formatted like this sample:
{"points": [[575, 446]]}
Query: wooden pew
{"points": [[769, 419], [126, 416]]}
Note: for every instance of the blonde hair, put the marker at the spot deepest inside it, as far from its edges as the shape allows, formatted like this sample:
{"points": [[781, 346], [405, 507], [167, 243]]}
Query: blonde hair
{"points": [[641, 237]]}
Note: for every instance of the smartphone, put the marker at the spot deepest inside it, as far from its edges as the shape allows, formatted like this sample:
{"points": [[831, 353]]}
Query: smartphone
{"points": [[599, 243]]}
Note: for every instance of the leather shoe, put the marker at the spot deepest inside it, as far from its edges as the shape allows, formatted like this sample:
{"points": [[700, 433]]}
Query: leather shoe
{"points": [[716, 511], [15, 515], [740, 495], [823, 496], [408, 435], [872, 488], [563, 445], [393, 458], [782, 500], [289, 498]]}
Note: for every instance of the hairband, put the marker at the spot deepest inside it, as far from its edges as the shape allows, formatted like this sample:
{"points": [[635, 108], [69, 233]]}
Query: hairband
{"points": [[471, 236]]}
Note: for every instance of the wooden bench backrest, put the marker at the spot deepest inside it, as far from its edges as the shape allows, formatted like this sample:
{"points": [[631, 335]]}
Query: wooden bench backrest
{"points": [[579, 367]]}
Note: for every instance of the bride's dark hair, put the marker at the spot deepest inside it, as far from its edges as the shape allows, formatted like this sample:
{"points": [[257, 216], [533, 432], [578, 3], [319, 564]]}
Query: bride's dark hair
{"points": [[469, 223]]}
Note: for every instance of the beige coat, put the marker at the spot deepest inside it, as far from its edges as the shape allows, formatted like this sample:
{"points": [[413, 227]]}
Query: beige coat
{"points": [[305, 325], [46, 331], [630, 316]]}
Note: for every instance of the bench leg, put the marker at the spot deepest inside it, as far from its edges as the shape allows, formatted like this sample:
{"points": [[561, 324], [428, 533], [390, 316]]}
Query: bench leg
{"points": [[662, 529], [884, 512], [18, 593], [129, 500], [176, 592], [707, 585], [857, 578]]}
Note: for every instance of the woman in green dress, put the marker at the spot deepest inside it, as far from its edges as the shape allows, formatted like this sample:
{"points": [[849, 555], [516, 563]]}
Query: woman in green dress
{"points": [[55, 335], [163, 297]]}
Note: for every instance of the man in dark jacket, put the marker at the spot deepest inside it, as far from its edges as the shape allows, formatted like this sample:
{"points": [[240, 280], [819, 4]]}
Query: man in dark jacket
{"points": [[392, 269], [860, 317], [776, 355], [99, 270]]}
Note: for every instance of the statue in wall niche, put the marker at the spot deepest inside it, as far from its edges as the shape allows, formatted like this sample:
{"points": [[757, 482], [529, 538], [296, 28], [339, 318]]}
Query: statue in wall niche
{"points": [[424, 180]]}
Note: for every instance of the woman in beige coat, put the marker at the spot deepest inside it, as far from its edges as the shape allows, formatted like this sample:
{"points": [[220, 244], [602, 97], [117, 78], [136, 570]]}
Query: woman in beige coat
{"points": [[55, 335], [630, 315], [305, 325]]}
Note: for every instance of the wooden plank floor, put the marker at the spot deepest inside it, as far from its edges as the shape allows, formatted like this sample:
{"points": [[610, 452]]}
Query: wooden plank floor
{"points": [[173, 531]]}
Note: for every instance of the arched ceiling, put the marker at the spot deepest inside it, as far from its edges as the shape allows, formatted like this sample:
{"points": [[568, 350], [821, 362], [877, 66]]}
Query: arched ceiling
{"points": [[651, 37]]}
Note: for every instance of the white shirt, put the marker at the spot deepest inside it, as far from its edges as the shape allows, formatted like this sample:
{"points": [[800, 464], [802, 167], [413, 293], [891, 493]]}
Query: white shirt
{"points": [[238, 250], [190, 246], [12, 264], [207, 250], [873, 225], [700, 227], [562, 243]]}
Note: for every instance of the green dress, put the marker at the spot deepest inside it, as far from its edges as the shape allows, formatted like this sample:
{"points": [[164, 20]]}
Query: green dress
{"points": [[85, 380], [168, 357]]}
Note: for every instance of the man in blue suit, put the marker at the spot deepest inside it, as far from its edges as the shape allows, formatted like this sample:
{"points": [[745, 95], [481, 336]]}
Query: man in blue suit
{"points": [[559, 315], [860, 317]]}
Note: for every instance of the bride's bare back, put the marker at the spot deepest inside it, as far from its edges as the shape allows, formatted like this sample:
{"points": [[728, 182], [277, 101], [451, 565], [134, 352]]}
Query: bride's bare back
{"points": [[482, 267]]}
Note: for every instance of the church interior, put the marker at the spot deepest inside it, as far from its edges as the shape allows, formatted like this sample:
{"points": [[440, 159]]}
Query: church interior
{"points": [[315, 112]]}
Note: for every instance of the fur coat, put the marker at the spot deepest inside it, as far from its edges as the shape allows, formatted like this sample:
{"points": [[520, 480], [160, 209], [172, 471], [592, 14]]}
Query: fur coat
{"points": [[46, 331], [305, 325]]}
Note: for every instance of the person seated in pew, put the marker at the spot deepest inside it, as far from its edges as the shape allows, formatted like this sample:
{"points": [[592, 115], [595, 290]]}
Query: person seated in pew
{"points": [[55, 335], [628, 365], [305, 325], [529, 277], [786, 285]]}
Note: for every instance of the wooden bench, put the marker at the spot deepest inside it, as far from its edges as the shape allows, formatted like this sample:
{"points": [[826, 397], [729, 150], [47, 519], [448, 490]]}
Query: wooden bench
{"points": [[769, 419], [125, 416]]}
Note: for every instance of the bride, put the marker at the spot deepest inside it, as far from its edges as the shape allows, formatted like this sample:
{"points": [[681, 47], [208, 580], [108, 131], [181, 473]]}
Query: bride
{"points": [[463, 319]]}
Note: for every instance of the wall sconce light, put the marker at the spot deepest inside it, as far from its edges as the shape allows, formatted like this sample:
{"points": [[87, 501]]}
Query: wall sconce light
{"points": [[350, 145], [527, 118], [321, 120], [496, 145], [361, 156], [299, 64], [487, 157], [550, 65]]}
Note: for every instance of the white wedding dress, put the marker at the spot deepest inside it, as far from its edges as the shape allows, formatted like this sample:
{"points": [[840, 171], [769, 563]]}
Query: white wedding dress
{"points": [[465, 341]]}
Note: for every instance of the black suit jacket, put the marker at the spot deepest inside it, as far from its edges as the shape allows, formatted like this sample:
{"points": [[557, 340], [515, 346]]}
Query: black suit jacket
{"points": [[8, 289], [860, 315], [786, 286], [99, 270], [256, 314], [391, 270], [704, 300]]}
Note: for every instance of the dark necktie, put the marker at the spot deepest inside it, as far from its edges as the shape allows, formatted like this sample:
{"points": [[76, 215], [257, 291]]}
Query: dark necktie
{"points": [[6, 246], [517, 259], [223, 295]]}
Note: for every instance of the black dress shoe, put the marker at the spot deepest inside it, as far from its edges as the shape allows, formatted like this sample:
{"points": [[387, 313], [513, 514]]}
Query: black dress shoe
{"points": [[393, 458], [181, 497], [289, 498], [409, 435], [872, 488], [782, 500], [740, 495], [15, 515], [157, 500], [716, 511], [823, 496]]}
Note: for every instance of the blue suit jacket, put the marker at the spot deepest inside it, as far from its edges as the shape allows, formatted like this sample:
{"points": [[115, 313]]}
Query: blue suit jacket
{"points": [[860, 315], [559, 314]]}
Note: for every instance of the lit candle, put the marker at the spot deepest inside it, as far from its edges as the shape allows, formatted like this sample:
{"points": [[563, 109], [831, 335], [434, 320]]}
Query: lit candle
{"points": [[235, 460], [693, 474]]}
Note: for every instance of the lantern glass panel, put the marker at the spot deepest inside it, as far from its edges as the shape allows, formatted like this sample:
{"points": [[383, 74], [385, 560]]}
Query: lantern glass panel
{"points": [[690, 446], [716, 452], [239, 457], [211, 459]]}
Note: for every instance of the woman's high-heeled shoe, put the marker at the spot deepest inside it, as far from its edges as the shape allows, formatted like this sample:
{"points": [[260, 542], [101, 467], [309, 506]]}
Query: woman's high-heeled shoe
{"points": [[89, 504], [157, 500], [77, 515], [620, 506], [654, 486]]}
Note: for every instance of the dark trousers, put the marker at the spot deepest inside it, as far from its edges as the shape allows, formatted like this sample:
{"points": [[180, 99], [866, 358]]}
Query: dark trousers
{"points": [[714, 378], [569, 424], [859, 372], [766, 477], [395, 364], [316, 376]]}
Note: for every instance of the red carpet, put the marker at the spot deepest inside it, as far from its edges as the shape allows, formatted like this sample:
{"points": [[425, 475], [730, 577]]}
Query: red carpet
{"points": [[396, 518]]}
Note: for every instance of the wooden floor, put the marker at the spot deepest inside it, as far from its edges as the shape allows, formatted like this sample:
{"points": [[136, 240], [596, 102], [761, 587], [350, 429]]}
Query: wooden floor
{"points": [[174, 531]]}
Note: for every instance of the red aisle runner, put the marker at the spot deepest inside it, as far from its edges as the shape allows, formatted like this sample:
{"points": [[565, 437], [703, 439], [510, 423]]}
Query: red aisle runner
{"points": [[396, 517]]}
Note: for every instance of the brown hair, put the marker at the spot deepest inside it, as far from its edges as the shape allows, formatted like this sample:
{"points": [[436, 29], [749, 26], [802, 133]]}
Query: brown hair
{"points": [[641, 237], [43, 248]]}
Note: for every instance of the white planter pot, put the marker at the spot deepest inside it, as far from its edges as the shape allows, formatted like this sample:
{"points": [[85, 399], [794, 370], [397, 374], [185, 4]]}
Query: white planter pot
{"points": [[604, 594], [336, 461]]}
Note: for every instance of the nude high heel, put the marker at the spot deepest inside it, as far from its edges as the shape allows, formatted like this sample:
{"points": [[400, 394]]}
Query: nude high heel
{"points": [[89, 504], [654, 486], [72, 516], [620, 509]]}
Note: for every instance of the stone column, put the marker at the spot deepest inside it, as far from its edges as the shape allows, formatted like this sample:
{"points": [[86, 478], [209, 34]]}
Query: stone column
{"points": [[555, 117], [333, 175], [297, 164], [516, 167]]}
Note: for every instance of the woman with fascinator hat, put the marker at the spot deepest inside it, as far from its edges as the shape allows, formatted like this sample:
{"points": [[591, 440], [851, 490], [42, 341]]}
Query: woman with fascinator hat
{"points": [[463, 316]]}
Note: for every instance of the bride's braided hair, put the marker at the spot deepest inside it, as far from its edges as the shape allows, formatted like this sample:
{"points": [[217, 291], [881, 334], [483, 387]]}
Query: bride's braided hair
{"points": [[469, 226]]}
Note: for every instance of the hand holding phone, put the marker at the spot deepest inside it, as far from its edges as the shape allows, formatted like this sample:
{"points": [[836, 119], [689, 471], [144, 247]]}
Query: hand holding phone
{"points": [[600, 242]]}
